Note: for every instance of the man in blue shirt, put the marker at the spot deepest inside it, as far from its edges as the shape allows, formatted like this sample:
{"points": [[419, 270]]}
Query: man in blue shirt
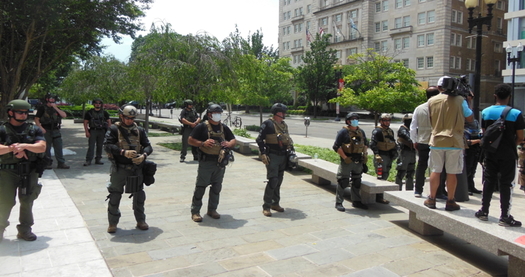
{"points": [[503, 161]]}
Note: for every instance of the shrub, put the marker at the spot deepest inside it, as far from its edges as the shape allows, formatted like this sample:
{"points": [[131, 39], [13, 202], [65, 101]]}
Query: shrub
{"points": [[241, 132], [253, 128]]}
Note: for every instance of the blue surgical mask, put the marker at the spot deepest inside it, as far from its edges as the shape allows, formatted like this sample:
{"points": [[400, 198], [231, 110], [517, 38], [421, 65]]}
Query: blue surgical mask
{"points": [[354, 122], [216, 117]]}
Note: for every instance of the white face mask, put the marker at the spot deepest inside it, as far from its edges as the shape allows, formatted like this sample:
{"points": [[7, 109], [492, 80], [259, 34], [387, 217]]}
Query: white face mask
{"points": [[216, 117]]}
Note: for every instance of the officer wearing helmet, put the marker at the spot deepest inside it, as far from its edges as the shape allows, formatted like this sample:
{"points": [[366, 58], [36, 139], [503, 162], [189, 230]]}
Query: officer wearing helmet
{"points": [[49, 118], [214, 141], [128, 147], [275, 147], [385, 149], [22, 147], [189, 119], [351, 145], [96, 123], [406, 163]]}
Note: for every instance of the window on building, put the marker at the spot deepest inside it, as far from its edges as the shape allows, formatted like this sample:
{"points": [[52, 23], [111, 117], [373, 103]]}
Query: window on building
{"points": [[455, 62], [385, 25], [430, 39], [452, 60], [351, 51], [338, 17], [385, 5], [471, 42], [457, 17], [458, 63], [405, 62], [498, 47], [430, 62], [452, 39], [384, 46], [420, 63], [352, 14], [378, 27], [471, 65], [500, 5], [324, 21], [406, 42], [308, 9], [378, 7], [407, 3], [397, 22], [499, 23], [397, 44], [399, 4], [338, 54], [497, 68], [421, 18], [420, 40], [406, 21], [431, 16], [353, 33], [459, 40], [377, 46]]}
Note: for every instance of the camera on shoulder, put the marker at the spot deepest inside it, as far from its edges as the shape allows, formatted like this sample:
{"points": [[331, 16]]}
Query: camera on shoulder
{"points": [[456, 86]]}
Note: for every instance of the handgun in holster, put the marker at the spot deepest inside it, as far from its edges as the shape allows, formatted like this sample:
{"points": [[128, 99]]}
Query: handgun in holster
{"points": [[24, 170]]}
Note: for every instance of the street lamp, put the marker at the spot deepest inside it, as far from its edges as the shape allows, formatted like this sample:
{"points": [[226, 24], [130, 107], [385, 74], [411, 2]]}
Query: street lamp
{"points": [[513, 60], [478, 22], [340, 85]]}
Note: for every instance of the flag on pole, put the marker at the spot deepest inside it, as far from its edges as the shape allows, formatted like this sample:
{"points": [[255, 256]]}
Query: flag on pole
{"points": [[321, 31], [338, 32], [308, 36], [352, 24]]}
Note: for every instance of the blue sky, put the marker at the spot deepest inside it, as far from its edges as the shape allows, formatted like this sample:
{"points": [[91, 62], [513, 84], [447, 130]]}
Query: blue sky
{"points": [[217, 18]]}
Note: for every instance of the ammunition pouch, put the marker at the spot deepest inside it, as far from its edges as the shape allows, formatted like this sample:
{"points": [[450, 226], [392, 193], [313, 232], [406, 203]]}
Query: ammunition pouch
{"points": [[225, 157], [148, 171], [24, 170], [133, 184]]}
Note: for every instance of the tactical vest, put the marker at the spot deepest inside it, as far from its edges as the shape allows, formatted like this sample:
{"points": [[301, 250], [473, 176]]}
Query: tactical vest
{"points": [[9, 136], [281, 136], [387, 144], [357, 142], [98, 121], [133, 138], [50, 118], [191, 116], [216, 148], [403, 142]]}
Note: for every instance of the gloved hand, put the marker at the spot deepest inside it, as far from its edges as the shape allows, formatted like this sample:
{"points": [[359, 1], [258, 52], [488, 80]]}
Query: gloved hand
{"points": [[139, 159], [378, 158], [265, 159], [130, 154], [348, 160]]}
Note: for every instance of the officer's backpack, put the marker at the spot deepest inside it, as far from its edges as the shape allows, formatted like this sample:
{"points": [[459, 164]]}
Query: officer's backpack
{"points": [[494, 133]]}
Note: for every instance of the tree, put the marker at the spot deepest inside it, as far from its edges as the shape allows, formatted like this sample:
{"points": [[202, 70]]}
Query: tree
{"points": [[316, 77], [37, 37], [379, 85]]}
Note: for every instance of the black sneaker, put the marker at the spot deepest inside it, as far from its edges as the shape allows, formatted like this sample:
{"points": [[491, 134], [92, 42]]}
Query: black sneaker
{"points": [[509, 222], [481, 215]]}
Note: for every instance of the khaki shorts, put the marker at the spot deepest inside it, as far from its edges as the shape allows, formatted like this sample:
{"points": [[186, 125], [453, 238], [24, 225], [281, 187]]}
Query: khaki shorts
{"points": [[451, 159]]}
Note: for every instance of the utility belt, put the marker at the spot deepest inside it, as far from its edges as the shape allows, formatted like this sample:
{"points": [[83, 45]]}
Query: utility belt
{"points": [[277, 152], [127, 166], [203, 157], [51, 126], [101, 128], [14, 166]]}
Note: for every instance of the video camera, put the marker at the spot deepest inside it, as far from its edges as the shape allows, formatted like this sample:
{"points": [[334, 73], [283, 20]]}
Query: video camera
{"points": [[456, 86]]}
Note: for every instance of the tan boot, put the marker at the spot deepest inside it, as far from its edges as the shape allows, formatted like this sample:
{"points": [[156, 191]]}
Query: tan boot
{"points": [[266, 212], [214, 214], [142, 226], [196, 217], [277, 208], [112, 228]]}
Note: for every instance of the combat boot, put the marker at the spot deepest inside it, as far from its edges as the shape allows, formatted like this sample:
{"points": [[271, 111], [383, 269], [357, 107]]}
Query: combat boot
{"points": [[112, 228], [196, 217], [267, 212], [87, 163], [27, 236], [97, 161], [277, 208], [142, 226], [62, 166], [213, 214], [339, 207]]}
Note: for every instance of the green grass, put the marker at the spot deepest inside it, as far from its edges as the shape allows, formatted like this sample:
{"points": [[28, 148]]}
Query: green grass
{"points": [[166, 134], [172, 145]]}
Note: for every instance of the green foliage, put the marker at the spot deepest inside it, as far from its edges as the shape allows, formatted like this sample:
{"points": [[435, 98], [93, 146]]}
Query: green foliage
{"points": [[164, 134], [254, 128], [241, 133]]}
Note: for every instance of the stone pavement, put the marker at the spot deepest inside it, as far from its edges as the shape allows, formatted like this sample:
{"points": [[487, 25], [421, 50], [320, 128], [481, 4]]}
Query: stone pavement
{"points": [[309, 239]]}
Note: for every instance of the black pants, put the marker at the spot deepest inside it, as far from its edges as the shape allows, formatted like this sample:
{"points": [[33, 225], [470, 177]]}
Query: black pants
{"points": [[423, 152], [506, 167]]}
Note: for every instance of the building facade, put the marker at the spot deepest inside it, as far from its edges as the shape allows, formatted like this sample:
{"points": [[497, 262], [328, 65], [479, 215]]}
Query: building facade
{"points": [[515, 18], [429, 36]]}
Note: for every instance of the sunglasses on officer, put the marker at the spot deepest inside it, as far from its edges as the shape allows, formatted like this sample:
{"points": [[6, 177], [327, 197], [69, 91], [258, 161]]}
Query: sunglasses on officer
{"points": [[21, 112], [128, 117]]}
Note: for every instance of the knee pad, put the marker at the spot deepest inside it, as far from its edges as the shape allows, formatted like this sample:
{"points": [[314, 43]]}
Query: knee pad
{"points": [[216, 188]]}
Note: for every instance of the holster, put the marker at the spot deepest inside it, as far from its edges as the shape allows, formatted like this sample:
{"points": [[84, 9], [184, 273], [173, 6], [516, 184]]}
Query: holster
{"points": [[133, 184]]}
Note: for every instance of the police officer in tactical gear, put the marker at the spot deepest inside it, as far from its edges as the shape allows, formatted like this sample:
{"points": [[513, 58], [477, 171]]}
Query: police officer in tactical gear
{"points": [[49, 118], [351, 145], [127, 146], [214, 141], [189, 118], [406, 163], [22, 145], [385, 149], [96, 123], [275, 146]]}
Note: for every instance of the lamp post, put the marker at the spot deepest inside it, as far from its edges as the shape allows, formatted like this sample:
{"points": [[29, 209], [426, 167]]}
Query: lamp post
{"points": [[478, 22], [340, 85], [513, 60]]}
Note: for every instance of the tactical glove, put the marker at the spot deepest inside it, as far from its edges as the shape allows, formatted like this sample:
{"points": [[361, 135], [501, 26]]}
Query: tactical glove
{"points": [[130, 154], [138, 160], [378, 158], [265, 159], [348, 160]]}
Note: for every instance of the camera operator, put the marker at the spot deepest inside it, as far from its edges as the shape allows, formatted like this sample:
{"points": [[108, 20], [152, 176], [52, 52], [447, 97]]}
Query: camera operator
{"points": [[448, 112]]}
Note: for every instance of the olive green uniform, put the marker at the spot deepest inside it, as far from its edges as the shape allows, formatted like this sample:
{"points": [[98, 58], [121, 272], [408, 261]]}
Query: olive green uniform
{"points": [[11, 176], [51, 121], [123, 172]]}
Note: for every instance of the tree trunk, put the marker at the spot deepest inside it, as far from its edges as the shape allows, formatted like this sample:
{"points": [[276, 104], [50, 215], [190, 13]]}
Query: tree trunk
{"points": [[260, 115]]}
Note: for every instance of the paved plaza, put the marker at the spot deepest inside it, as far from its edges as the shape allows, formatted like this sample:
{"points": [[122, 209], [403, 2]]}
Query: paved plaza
{"points": [[311, 238]]}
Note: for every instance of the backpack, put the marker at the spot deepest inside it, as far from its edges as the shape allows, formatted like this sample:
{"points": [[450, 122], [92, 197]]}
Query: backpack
{"points": [[493, 134]]}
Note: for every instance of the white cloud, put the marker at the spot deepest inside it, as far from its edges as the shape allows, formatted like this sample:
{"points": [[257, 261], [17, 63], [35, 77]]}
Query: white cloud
{"points": [[217, 18]]}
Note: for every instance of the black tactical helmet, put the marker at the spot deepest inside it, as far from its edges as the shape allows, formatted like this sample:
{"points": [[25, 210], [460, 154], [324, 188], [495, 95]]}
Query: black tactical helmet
{"points": [[51, 96], [215, 108], [352, 115], [128, 110], [97, 100], [18, 104], [187, 102], [278, 107]]}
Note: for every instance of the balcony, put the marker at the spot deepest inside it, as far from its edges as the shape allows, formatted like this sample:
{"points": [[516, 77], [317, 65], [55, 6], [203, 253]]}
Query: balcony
{"points": [[402, 30]]}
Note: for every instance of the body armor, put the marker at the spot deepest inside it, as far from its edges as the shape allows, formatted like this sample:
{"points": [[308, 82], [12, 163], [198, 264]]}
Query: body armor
{"points": [[97, 120], [133, 138], [8, 136], [217, 136], [356, 144], [50, 118], [388, 142], [281, 136]]}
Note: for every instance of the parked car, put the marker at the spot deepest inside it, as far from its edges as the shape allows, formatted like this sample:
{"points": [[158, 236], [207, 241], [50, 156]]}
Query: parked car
{"points": [[170, 105]]}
